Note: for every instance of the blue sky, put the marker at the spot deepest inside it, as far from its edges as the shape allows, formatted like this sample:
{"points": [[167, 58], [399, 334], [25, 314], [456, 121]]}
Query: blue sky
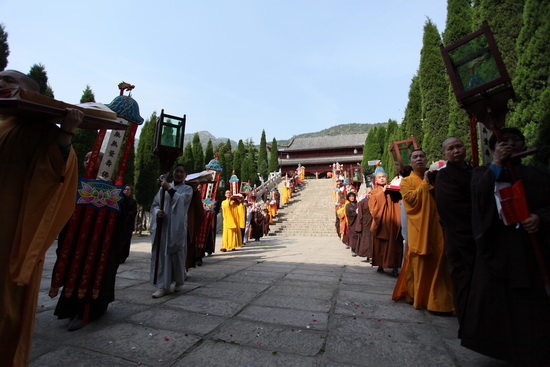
{"points": [[234, 67]]}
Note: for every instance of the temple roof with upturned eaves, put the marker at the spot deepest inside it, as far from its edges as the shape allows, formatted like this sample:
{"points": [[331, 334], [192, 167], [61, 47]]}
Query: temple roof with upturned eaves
{"points": [[325, 142]]}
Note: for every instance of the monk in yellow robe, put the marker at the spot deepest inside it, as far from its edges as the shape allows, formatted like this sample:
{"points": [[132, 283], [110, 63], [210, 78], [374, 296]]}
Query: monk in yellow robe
{"points": [[285, 191], [233, 221], [38, 185], [426, 274]]}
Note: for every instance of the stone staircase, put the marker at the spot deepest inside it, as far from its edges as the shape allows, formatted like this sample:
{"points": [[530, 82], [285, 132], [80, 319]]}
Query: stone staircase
{"points": [[309, 213]]}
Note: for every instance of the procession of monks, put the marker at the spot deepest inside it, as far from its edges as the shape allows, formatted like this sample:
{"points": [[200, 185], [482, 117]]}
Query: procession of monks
{"points": [[460, 253]]}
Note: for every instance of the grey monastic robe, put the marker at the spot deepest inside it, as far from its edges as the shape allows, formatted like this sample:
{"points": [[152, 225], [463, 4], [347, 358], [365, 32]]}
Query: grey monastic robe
{"points": [[173, 242]]}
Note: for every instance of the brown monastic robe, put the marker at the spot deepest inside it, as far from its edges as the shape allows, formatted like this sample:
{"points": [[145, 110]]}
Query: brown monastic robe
{"points": [[386, 228], [362, 227]]}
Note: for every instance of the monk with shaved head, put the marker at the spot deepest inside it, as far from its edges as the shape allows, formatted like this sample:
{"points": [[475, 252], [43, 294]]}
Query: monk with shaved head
{"points": [[454, 204], [38, 185]]}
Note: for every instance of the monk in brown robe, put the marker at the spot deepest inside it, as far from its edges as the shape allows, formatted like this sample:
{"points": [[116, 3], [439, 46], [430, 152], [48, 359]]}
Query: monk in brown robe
{"points": [[386, 226], [38, 185], [426, 274], [362, 227]]}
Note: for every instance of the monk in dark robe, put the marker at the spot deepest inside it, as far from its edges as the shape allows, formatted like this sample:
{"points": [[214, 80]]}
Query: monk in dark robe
{"points": [[38, 185], [362, 227], [195, 217], [266, 221], [508, 311], [454, 204], [351, 217], [387, 241], [257, 224], [128, 212]]}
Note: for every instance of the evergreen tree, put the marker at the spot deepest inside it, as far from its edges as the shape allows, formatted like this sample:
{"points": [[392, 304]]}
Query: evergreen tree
{"points": [[83, 140], [392, 131], [531, 80], [147, 168], [4, 47], [505, 19], [381, 140], [238, 157], [39, 74], [371, 150], [412, 123], [458, 26], [249, 168], [262, 156], [187, 158], [365, 161], [198, 155], [434, 87], [129, 175], [274, 157], [209, 152]]}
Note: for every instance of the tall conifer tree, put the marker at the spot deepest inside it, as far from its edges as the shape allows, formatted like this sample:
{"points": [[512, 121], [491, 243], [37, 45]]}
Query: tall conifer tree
{"points": [[4, 47], [198, 155], [458, 26], [209, 152], [39, 74], [187, 158], [238, 157], [83, 140], [262, 156], [434, 86], [274, 157], [147, 167], [412, 123], [505, 17], [392, 131], [532, 79]]}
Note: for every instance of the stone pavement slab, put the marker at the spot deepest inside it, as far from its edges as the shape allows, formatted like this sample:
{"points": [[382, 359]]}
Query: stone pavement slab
{"points": [[302, 301]]}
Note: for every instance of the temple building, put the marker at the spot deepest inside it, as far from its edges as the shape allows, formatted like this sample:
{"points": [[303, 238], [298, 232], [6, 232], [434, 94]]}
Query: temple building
{"points": [[318, 154]]}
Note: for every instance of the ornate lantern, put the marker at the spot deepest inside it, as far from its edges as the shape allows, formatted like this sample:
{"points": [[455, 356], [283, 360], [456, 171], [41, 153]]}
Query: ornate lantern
{"points": [[169, 133]]}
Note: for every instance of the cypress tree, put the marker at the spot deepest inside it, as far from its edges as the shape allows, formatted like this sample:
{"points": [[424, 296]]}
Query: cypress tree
{"points": [[147, 167], [4, 47], [458, 26], [238, 157], [249, 168], [365, 161], [531, 79], [434, 87], [380, 141], [274, 157], [209, 152], [505, 19], [198, 155], [392, 130], [83, 140], [262, 156], [371, 150], [39, 74], [187, 158], [412, 123]]}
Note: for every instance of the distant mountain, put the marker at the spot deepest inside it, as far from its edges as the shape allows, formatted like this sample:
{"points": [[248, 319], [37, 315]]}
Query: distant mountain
{"points": [[331, 131], [342, 129], [205, 136]]}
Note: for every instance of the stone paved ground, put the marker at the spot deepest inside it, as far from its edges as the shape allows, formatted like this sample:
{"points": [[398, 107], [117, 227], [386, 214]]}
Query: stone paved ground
{"points": [[278, 302]]}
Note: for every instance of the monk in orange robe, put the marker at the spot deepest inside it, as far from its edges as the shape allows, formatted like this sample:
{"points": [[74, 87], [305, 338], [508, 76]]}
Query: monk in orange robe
{"points": [[426, 274], [38, 185]]}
